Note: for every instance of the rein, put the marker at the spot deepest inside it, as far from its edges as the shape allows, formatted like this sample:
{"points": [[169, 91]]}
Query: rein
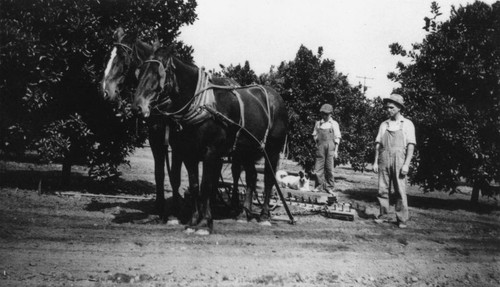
{"points": [[200, 89], [222, 117]]}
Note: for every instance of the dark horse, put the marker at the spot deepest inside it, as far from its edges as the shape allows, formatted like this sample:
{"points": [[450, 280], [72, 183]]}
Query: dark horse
{"points": [[246, 123], [127, 54]]}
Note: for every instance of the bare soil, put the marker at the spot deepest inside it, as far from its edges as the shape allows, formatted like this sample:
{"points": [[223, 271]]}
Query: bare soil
{"points": [[51, 238]]}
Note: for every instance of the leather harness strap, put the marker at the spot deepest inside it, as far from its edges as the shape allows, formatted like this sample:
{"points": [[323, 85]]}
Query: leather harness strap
{"points": [[242, 117], [202, 105]]}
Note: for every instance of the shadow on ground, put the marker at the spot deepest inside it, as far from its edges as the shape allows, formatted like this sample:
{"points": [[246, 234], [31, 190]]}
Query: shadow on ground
{"points": [[367, 195], [137, 211], [423, 201], [50, 181]]}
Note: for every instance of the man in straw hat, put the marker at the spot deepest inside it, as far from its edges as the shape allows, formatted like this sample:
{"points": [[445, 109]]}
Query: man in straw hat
{"points": [[394, 148], [327, 137]]}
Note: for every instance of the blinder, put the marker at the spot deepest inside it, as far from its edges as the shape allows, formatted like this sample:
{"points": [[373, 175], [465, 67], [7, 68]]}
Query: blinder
{"points": [[162, 72], [128, 52]]}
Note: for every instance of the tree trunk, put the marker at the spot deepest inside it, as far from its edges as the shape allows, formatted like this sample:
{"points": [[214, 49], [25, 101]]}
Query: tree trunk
{"points": [[476, 187], [66, 171]]}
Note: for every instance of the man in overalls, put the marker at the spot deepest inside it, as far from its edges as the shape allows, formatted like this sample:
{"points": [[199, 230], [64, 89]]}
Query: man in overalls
{"points": [[327, 137], [394, 148]]}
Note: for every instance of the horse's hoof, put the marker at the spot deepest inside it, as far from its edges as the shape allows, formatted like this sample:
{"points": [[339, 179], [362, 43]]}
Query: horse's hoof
{"points": [[202, 232], [265, 223], [189, 230], [172, 221], [242, 218]]}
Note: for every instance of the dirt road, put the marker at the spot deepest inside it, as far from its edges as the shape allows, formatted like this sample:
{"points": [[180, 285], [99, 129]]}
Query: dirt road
{"points": [[48, 239]]}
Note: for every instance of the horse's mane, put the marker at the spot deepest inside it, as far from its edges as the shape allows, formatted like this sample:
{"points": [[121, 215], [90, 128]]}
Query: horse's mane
{"points": [[172, 52]]}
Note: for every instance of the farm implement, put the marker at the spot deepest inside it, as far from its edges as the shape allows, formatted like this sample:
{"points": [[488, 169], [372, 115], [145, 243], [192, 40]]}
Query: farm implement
{"points": [[305, 203], [314, 203]]}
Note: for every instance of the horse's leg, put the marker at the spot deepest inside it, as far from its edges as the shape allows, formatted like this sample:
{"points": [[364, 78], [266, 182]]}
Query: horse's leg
{"points": [[175, 182], [159, 150], [269, 181], [236, 171], [194, 191], [251, 181], [212, 166]]}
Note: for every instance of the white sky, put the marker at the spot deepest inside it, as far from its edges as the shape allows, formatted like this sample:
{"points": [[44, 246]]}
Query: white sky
{"points": [[354, 33]]}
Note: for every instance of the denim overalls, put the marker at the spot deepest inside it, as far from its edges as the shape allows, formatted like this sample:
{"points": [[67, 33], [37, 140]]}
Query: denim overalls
{"points": [[324, 159], [392, 184]]}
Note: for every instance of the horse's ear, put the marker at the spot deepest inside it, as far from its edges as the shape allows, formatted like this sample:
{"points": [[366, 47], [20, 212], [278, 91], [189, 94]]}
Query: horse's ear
{"points": [[163, 76], [119, 34]]}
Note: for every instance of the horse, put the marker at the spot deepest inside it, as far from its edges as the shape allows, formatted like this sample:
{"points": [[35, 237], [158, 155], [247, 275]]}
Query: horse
{"points": [[246, 123], [127, 54]]}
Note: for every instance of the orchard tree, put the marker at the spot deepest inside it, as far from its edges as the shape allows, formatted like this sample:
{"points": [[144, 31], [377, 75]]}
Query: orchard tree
{"points": [[308, 82], [52, 57], [243, 75], [452, 88]]}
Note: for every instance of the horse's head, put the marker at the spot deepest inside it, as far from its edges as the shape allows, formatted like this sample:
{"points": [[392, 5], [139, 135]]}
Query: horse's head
{"points": [[127, 53], [155, 75]]}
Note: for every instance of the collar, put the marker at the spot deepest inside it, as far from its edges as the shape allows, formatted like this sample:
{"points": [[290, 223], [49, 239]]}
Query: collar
{"points": [[401, 119], [330, 120]]}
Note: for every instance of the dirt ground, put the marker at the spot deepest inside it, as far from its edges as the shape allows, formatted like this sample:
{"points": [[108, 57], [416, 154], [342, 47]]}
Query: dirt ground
{"points": [[50, 238]]}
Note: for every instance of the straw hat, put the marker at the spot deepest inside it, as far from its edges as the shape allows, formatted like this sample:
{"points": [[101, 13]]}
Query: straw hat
{"points": [[326, 108], [395, 98]]}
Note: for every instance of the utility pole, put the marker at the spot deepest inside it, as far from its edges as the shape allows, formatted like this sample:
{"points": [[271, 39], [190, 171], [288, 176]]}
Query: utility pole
{"points": [[364, 83]]}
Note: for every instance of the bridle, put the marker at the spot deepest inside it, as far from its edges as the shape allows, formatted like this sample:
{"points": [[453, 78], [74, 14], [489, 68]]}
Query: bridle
{"points": [[155, 103], [124, 46], [129, 54]]}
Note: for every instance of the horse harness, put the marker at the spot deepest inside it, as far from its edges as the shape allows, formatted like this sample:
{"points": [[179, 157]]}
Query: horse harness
{"points": [[217, 115], [201, 106], [129, 51]]}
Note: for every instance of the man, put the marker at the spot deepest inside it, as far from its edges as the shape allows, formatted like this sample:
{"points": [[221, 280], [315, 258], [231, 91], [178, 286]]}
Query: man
{"points": [[327, 137], [394, 148]]}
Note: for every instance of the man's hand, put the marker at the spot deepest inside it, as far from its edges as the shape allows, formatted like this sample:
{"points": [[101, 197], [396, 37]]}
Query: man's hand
{"points": [[404, 169], [375, 167]]}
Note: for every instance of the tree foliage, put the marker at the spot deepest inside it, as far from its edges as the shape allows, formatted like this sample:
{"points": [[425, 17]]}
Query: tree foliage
{"points": [[308, 82], [452, 87], [241, 74], [305, 84], [51, 61]]}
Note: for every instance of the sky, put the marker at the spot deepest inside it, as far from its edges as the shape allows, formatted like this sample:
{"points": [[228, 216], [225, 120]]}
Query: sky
{"points": [[356, 34]]}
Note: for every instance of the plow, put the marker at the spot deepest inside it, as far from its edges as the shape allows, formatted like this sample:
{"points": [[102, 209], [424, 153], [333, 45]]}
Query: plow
{"points": [[305, 202], [330, 208]]}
